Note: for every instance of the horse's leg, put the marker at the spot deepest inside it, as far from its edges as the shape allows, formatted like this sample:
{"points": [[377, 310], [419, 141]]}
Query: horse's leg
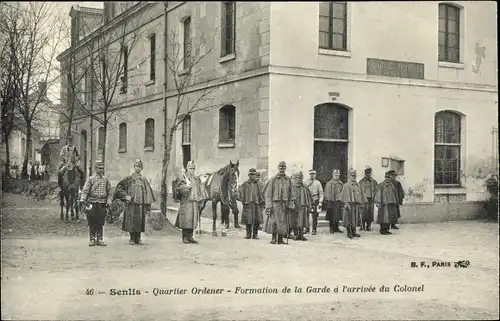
{"points": [[61, 203], [214, 217], [225, 218], [77, 208], [67, 207], [72, 204]]}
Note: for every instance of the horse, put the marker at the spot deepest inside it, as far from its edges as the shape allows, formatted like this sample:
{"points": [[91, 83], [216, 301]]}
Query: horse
{"points": [[69, 192], [222, 186]]}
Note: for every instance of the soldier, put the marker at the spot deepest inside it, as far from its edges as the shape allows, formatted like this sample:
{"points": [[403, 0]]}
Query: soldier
{"points": [[96, 195], [191, 194], [69, 154], [386, 201], [317, 194], [280, 199], [303, 204], [400, 195], [353, 200], [250, 195], [369, 187], [333, 205], [137, 194]]}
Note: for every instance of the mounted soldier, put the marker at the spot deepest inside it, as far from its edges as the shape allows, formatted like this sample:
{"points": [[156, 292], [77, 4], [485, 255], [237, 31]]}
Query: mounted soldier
{"points": [[69, 157]]}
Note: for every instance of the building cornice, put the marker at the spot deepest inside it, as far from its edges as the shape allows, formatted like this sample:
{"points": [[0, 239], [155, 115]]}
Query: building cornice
{"points": [[356, 77]]}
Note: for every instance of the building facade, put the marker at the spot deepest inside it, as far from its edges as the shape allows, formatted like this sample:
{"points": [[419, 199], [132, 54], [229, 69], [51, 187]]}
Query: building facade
{"points": [[339, 88]]}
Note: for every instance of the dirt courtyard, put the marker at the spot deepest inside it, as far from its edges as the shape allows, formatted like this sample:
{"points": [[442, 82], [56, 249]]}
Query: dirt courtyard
{"points": [[49, 272]]}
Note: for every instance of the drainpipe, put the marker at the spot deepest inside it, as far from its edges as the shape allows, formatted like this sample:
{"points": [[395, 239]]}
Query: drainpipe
{"points": [[163, 185]]}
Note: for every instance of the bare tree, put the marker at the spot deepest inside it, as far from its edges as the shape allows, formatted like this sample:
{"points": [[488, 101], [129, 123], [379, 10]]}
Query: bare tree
{"points": [[105, 69], [185, 66], [37, 35]]}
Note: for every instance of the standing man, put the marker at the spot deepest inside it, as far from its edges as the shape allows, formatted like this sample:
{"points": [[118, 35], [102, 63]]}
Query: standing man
{"points": [[280, 199], [250, 195], [400, 195], [386, 201], [369, 187], [69, 154], [353, 200], [137, 194], [333, 188], [317, 194], [96, 195], [191, 196], [303, 204]]}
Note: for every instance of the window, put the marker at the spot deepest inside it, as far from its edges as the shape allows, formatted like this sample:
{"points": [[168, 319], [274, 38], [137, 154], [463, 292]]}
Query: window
{"points": [[447, 148], [186, 130], [149, 135], [333, 25], [331, 122], [124, 78], [228, 28], [187, 43], [152, 57], [122, 137], [100, 139], [449, 33], [227, 120]]}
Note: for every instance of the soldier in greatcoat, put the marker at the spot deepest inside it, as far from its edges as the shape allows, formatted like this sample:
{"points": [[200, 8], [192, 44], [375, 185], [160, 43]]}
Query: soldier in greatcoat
{"points": [[333, 205], [280, 199], [96, 195], [190, 193], [353, 200], [386, 201], [303, 204], [317, 194], [138, 196], [400, 195], [369, 187], [251, 196]]}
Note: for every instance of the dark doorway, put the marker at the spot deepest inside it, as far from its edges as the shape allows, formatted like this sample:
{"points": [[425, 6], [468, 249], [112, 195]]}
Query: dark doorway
{"points": [[83, 150], [331, 129], [186, 154], [329, 156], [186, 140]]}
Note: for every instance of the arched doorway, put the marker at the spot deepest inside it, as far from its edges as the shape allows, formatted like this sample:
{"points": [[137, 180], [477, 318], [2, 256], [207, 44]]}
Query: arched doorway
{"points": [[83, 150], [331, 139]]}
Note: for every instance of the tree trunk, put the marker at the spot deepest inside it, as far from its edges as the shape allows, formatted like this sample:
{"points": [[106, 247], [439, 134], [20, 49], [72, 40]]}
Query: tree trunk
{"points": [[166, 162], [105, 126], [7, 155], [27, 153]]}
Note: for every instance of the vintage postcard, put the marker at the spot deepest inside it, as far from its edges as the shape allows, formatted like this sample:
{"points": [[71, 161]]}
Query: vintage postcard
{"points": [[230, 160]]}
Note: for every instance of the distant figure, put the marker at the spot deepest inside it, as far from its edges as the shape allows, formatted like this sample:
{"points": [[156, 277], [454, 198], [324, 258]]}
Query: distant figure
{"points": [[30, 170], [386, 201], [400, 195], [69, 154], [41, 169]]}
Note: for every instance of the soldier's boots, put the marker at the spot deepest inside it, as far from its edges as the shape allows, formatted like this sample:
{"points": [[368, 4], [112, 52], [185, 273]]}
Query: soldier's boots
{"points": [[349, 232], [393, 226], [236, 224], [273, 240], [185, 239], [190, 237], [255, 234], [138, 238], [280, 239], [91, 236], [249, 232], [132, 239], [336, 228], [332, 230], [289, 236], [354, 232], [100, 235]]}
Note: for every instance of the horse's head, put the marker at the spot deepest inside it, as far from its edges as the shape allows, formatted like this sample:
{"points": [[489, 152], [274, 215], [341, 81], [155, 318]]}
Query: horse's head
{"points": [[234, 176]]}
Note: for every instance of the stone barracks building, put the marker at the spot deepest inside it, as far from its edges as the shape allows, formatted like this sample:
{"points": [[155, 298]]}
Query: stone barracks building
{"points": [[410, 86]]}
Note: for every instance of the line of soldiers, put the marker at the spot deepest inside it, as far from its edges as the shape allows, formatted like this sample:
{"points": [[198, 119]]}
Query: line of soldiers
{"points": [[288, 202]]}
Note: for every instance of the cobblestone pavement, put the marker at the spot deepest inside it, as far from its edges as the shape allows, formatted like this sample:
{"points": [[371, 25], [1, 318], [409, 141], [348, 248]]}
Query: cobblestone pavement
{"points": [[46, 276]]}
